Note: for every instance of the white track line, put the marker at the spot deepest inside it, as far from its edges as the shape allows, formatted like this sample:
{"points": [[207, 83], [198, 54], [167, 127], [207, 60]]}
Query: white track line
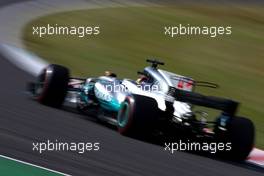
{"points": [[11, 33], [33, 165], [23, 59]]}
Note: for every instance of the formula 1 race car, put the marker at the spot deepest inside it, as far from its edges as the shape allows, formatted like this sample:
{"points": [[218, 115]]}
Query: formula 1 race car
{"points": [[160, 102]]}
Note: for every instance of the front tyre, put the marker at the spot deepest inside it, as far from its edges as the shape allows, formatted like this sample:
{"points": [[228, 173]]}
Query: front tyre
{"points": [[52, 84]]}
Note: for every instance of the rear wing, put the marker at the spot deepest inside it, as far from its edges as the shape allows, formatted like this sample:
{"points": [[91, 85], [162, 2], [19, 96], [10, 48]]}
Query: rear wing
{"points": [[226, 105]]}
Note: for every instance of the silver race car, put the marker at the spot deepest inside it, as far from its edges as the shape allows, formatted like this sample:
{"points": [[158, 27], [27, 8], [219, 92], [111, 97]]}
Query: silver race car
{"points": [[158, 103]]}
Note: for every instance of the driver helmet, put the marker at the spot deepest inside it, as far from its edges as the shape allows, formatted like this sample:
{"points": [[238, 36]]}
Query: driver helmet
{"points": [[110, 74], [141, 79]]}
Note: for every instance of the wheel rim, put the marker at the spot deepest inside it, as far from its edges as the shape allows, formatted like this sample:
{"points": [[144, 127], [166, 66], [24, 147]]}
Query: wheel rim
{"points": [[123, 115]]}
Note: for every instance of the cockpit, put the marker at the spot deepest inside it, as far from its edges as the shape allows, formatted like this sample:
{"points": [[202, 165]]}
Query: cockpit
{"points": [[162, 79]]}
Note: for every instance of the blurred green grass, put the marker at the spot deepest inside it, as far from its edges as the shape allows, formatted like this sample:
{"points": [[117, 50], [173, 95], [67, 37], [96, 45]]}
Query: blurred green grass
{"points": [[129, 35]]}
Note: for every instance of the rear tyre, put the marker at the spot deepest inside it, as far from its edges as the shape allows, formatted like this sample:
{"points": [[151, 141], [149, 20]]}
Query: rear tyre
{"points": [[52, 85], [137, 116], [240, 133]]}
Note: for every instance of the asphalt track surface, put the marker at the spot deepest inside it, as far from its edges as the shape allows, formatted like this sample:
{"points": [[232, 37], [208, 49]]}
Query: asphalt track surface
{"points": [[23, 121]]}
